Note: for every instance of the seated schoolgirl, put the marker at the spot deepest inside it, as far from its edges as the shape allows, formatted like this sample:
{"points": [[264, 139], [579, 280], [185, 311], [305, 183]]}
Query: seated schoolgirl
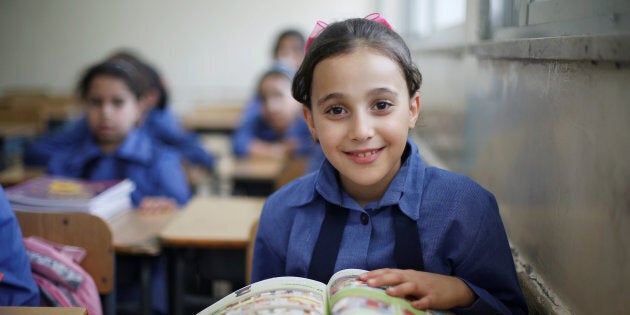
{"points": [[278, 130], [158, 121], [427, 234], [115, 147]]}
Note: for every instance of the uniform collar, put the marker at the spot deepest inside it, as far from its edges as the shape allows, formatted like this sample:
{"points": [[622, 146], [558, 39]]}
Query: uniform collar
{"points": [[405, 189], [135, 148]]}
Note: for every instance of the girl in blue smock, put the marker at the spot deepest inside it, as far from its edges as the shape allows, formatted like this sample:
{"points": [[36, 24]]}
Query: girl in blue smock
{"points": [[427, 234], [117, 148], [276, 129], [17, 286], [159, 122]]}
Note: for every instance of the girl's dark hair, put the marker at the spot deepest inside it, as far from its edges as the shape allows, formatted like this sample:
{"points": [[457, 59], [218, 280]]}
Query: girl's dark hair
{"points": [[277, 69], [346, 36], [117, 68], [288, 33], [152, 76]]}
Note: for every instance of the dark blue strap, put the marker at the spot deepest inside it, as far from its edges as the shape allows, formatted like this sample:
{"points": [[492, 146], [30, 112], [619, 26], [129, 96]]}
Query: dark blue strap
{"points": [[322, 265], [407, 249]]}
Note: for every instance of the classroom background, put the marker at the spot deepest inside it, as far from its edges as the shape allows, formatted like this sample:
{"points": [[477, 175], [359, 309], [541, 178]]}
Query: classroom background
{"points": [[530, 98]]}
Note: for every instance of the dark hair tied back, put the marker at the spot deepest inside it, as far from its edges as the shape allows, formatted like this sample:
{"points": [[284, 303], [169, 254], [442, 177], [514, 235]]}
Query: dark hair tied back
{"points": [[133, 77], [346, 36]]}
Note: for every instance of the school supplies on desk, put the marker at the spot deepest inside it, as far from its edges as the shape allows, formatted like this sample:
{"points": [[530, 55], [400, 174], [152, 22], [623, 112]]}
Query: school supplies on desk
{"points": [[343, 294], [47, 193]]}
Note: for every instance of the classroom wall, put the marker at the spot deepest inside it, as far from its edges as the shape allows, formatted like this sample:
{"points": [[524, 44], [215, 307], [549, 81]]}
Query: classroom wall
{"points": [[550, 138], [205, 49]]}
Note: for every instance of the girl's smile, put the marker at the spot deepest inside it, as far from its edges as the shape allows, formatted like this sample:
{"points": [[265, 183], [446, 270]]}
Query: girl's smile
{"points": [[364, 156]]}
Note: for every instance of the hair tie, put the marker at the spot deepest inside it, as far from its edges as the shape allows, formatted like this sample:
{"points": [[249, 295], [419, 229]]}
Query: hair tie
{"points": [[321, 25]]}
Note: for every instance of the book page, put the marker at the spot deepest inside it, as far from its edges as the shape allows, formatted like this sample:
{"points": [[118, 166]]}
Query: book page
{"points": [[348, 295], [282, 295]]}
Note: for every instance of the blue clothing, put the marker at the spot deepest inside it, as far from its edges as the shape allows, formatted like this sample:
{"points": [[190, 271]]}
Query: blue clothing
{"points": [[252, 126], [161, 124], [17, 286], [164, 126], [459, 226], [155, 169]]}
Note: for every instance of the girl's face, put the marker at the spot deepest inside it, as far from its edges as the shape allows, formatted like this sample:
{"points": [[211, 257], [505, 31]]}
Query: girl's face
{"points": [[361, 114], [112, 110], [290, 51], [280, 109]]}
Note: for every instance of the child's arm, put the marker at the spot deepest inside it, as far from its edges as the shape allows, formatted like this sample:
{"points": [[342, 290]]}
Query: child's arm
{"points": [[426, 290], [157, 205]]}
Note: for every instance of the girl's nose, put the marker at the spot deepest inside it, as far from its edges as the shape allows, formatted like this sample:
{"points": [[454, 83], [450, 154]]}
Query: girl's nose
{"points": [[362, 128]]}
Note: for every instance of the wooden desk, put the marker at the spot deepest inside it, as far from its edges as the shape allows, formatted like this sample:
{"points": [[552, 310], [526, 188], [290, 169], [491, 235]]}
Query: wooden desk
{"points": [[256, 168], [138, 235], [207, 222], [10, 129], [23, 310], [19, 173], [211, 221], [213, 119], [255, 176]]}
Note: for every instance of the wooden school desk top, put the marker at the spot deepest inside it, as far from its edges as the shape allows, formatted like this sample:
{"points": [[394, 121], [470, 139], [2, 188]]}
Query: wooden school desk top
{"points": [[138, 234], [257, 168], [23, 310], [211, 221], [212, 119]]}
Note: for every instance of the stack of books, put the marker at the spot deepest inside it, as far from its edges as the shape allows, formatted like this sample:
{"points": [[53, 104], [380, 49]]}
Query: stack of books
{"points": [[50, 193]]}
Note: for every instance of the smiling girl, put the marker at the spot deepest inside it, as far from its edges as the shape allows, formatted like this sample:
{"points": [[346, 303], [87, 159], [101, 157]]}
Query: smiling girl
{"points": [[430, 235]]}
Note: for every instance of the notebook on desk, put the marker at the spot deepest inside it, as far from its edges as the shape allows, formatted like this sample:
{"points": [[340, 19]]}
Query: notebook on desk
{"points": [[50, 193]]}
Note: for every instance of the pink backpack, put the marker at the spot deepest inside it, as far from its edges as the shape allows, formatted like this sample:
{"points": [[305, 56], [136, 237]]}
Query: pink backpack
{"points": [[61, 280]]}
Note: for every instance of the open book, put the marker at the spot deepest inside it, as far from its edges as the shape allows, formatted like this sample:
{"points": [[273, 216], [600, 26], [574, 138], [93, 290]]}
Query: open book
{"points": [[344, 294], [50, 193]]}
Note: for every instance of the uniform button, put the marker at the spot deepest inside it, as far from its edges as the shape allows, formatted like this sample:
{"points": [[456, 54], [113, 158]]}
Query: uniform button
{"points": [[365, 219]]}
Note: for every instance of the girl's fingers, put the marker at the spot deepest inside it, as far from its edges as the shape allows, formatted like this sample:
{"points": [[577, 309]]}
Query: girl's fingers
{"points": [[405, 289], [423, 303], [390, 278]]}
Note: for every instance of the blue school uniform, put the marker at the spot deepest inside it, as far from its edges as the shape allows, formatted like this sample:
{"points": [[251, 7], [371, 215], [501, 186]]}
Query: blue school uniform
{"points": [[17, 286], [252, 126], [155, 169], [161, 124], [460, 230]]}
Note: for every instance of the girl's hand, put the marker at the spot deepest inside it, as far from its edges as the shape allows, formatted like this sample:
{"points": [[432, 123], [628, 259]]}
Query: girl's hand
{"points": [[157, 205], [424, 290]]}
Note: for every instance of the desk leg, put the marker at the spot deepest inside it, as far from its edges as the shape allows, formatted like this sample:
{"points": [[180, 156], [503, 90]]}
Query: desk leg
{"points": [[145, 284], [176, 280]]}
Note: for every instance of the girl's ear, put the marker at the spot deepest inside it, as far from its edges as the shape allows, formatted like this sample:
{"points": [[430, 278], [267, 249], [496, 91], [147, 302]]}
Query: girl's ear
{"points": [[308, 117], [149, 100], [414, 110]]}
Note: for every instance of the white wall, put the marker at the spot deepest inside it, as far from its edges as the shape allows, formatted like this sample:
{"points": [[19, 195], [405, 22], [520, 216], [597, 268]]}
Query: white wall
{"points": [[204, 49]]}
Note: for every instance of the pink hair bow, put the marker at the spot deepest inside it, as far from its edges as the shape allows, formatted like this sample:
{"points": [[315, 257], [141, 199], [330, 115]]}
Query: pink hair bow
{"points": [[321, 25]]}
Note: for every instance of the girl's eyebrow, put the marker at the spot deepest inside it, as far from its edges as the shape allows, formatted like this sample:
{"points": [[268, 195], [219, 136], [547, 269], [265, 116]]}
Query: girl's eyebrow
{"points": [[329, 97], [382, 90]]}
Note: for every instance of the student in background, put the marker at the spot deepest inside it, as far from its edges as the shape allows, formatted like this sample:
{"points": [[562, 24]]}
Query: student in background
{"points": [[115, 147], [158, 120], [427, 234], [288, 52], [17, 286], [278, 131], [114, 95]]}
